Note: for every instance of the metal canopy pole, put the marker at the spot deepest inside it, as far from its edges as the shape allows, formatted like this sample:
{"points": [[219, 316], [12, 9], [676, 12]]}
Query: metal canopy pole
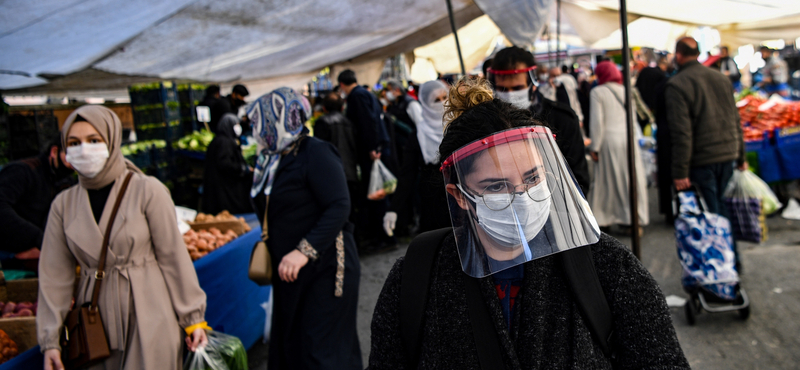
{"points": [[558, 33], [626, 75], [455, 34]]}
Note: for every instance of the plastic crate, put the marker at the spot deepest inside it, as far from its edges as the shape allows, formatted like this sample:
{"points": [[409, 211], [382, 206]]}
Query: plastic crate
{"points": [[787, 136], [156, 111]]}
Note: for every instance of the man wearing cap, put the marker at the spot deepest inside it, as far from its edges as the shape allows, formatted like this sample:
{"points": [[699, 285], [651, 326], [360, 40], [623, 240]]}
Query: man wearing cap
{"points": [[511, 71]]}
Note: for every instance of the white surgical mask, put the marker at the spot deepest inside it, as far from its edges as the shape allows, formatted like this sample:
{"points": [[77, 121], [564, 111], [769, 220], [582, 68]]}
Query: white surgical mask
{"points": [[384, 102], [523, 219], [88, 159], [390, 96], [237, 129], [519, 98]]}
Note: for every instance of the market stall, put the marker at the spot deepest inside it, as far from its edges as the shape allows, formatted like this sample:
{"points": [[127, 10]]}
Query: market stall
{"points": [[771, 130], [234, 303]]}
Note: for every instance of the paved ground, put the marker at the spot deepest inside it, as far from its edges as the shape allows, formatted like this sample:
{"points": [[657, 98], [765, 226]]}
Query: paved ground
{"points": [[769, 339]]}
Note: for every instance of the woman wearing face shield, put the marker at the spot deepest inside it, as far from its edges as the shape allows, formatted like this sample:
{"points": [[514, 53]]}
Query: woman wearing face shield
{"points": [[227, 178], [516, 214], [420, 171], [149, 293]]}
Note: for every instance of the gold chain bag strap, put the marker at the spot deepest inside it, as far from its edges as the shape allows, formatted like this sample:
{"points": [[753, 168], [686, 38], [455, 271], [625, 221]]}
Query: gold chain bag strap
{"points": [[84, 342], [260, 270]]}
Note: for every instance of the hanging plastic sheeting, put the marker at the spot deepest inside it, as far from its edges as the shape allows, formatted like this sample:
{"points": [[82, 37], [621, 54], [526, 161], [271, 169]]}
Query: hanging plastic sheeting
{"points": [[520, 20], [252, 39], [476, 38], [44, 38]]}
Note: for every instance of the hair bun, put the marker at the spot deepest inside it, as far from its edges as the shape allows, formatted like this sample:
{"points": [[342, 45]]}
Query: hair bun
{"points": [[465, 94]]}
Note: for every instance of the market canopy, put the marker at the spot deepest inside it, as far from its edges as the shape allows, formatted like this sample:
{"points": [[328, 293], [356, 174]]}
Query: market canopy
{"points": [[96, 45], [49, 45]]}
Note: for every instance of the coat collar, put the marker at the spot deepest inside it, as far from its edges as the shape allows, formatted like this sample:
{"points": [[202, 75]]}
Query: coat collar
{"points": [[84, 232]]}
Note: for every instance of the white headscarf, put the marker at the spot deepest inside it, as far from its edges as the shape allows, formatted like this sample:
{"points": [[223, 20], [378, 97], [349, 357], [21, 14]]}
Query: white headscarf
{"points": [[431, 130]]}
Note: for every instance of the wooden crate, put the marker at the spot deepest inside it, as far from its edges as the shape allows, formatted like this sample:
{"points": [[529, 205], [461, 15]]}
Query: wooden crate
{"points": [[237, 226], [22, 330]]}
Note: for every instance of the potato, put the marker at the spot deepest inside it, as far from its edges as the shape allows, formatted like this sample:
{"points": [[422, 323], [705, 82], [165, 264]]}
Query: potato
{"points": [[202, 245], [195, 256], [9, 308]]}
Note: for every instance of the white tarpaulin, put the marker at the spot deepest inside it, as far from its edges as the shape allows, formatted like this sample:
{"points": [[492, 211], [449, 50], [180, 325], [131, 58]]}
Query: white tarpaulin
{"points": [[211, 40], [47, 37], [520, 20], [475, 38]]}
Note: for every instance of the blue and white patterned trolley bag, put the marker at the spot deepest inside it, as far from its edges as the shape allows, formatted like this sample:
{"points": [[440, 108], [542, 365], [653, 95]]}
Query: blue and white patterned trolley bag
{"points": [[705, 248]]}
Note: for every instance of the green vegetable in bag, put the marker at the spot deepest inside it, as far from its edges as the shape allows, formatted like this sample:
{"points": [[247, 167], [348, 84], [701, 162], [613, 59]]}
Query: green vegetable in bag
{"points": [[223, 352]]}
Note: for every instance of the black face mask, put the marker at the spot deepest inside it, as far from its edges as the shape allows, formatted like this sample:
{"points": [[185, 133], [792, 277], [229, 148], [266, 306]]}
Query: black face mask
{"points": [[238, 103], [62, 171]]}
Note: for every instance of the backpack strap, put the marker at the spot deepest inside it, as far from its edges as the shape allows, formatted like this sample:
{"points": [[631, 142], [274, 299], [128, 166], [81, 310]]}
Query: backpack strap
{"points": [[490, 354], [582, 278], [414, 287]]}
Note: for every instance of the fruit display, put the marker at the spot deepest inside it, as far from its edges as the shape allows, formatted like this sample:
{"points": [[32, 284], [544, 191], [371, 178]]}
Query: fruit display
{"points": [[200, 243], [759, 115], [210, 232], [197, 141], [8, 348], [22, 309]]}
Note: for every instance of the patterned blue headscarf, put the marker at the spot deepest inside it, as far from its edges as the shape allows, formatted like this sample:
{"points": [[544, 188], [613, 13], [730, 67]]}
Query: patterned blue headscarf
{"points": [[277, 120]]}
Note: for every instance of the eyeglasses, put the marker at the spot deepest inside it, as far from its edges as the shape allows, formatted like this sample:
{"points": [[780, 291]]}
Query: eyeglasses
{"points": [[498, 195]]}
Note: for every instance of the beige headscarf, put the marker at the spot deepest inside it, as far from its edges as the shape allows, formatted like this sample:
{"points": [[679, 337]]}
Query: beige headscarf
{"points": [[106, 122]]}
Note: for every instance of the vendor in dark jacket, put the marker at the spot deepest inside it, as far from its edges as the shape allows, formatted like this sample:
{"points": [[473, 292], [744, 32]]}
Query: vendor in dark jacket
{"points": [[27, 187], [227, 178], [512, 79], [516, 213]]}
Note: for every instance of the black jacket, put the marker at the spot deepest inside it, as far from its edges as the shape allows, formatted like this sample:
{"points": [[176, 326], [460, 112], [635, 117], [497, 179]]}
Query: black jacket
{"points": [[424, 180], [336, 129], [548, 331], [703, 118], [27, 188], [399, 109], [365, 111], [646, 83], [565, 125], [227, 179]]}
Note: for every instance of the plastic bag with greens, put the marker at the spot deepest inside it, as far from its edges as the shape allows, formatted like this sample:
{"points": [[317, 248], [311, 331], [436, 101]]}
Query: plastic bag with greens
{"points": [[747, 185], [223, 352]]}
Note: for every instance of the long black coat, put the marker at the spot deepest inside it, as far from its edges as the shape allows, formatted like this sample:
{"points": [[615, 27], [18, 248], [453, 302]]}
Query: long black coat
{"points": [[417, 177], [548, 331], [312, 329], [565, 125], [227, 179]]}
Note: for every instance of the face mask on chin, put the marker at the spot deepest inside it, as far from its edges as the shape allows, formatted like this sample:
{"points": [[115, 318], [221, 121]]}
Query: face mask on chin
{"points": [[88, 159], [519, 99]]}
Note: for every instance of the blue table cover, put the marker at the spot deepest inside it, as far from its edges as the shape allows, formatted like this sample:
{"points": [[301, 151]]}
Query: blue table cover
{"points": [[779, 163], [234, 301]]}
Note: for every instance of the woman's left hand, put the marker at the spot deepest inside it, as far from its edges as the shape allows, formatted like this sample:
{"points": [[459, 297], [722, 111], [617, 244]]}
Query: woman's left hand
{"points": [[291, 264], [198, 339]]}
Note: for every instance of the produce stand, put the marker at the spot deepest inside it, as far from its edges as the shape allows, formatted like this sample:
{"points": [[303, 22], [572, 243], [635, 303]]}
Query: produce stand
{"points": [[772, 136], [234, 301]]}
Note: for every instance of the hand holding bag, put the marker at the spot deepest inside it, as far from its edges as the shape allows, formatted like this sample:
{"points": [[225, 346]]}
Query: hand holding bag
{"points": [[84, 342], [260, 270]]}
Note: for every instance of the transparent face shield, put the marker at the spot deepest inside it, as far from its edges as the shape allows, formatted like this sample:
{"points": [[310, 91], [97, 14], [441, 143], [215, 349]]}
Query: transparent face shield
{"points": [[513, 199]]}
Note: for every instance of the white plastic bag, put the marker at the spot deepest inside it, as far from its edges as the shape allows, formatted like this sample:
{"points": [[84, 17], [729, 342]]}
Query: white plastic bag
{"points": [[381, 182], [223, 352], [745, 185], [267, 306]]}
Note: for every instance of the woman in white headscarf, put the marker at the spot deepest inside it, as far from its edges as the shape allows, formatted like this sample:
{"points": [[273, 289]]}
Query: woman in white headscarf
{"points": [[300, 185], [419, 173], [149, 291]]}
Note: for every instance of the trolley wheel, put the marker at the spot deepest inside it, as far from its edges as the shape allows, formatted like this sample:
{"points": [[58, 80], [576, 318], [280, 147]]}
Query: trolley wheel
{"points": [[689, 309], [744, 313]]}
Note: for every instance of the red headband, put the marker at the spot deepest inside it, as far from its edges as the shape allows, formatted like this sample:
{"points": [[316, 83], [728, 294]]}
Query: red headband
{"points": [[510, 71], [500, 138]]}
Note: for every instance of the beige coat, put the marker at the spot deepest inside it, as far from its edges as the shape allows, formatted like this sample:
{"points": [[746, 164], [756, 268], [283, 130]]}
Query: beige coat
{"points": [[151, 288]]}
